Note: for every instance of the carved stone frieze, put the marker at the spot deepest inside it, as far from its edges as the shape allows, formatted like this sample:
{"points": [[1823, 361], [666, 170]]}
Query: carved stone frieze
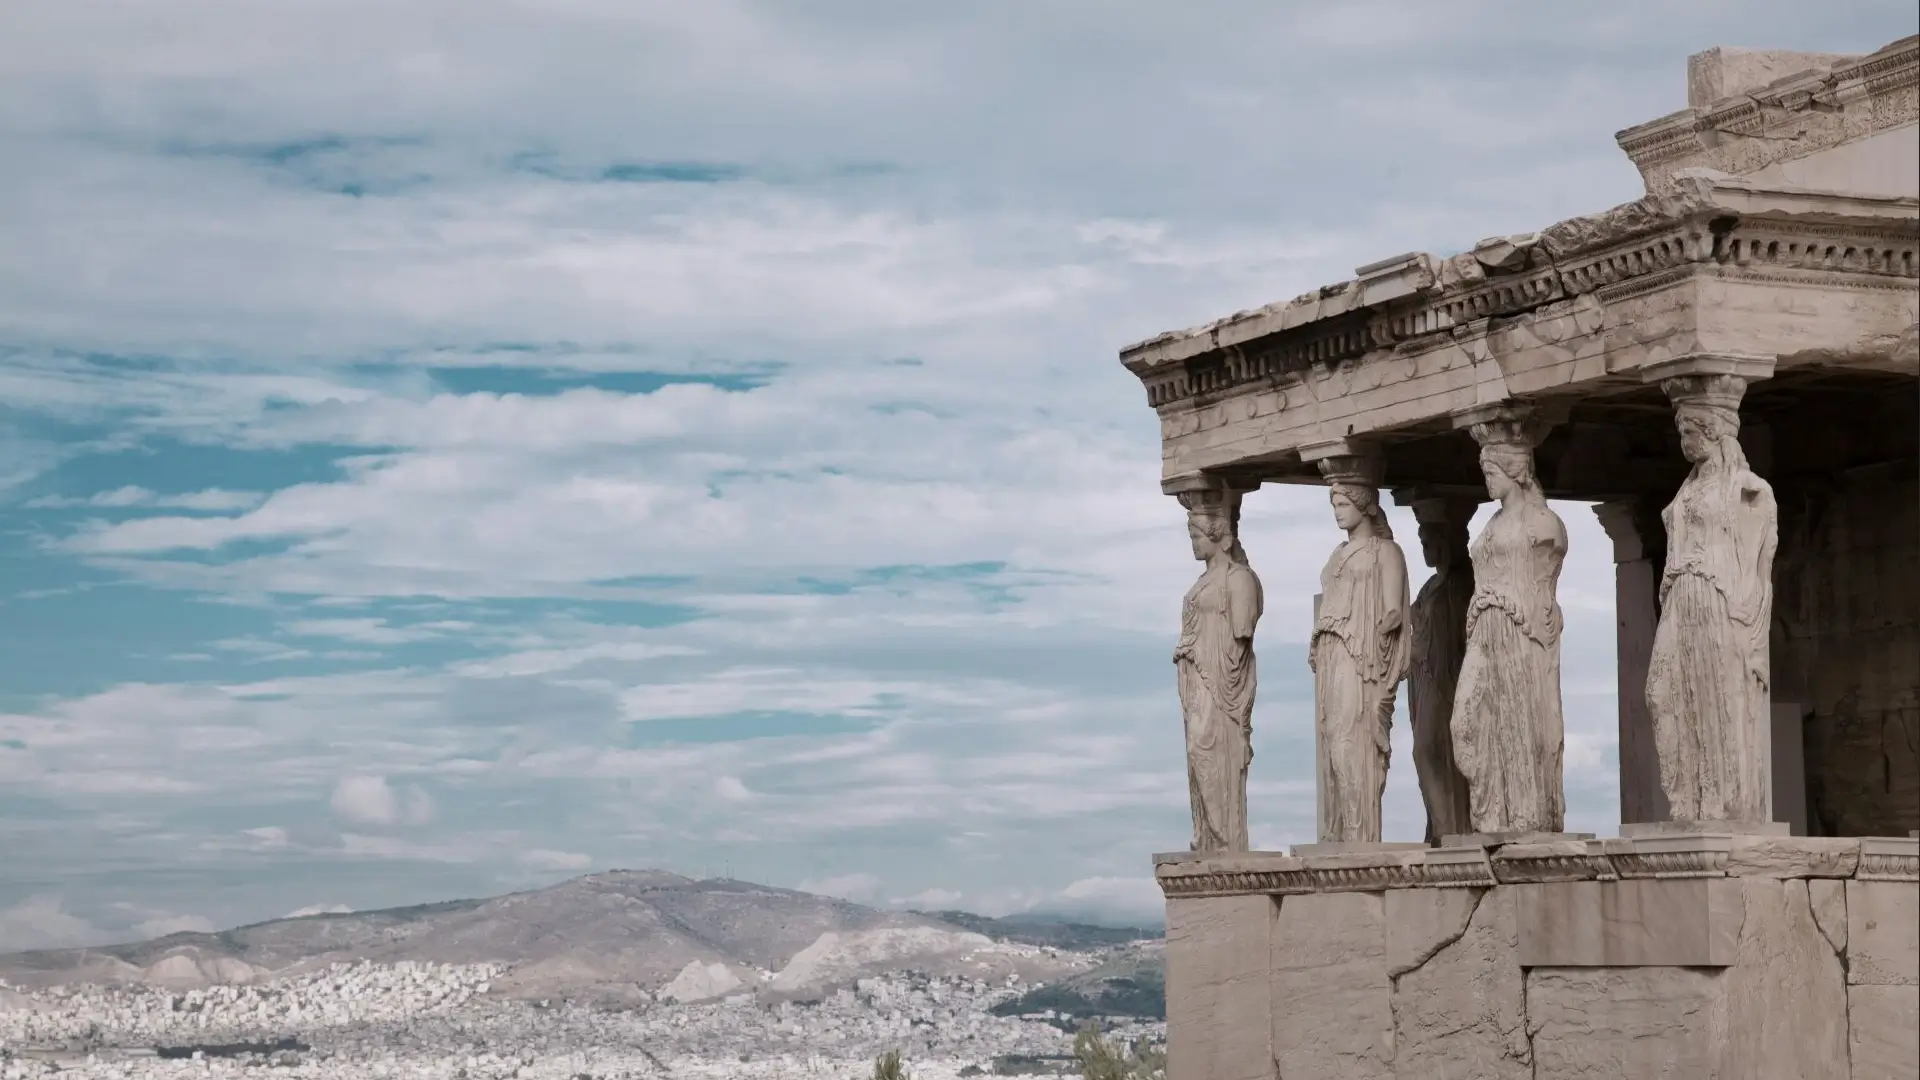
{"points": [[1562, 860], [1607, 859], [1889, 859], [1458, 868], [1235, 875], [1367, 871], [1747, 129], [1688, 224], [1672, 857]]}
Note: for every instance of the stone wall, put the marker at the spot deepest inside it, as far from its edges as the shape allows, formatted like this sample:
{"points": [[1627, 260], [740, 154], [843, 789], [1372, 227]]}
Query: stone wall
{"points": [[1847, 646], [1673, 957]]}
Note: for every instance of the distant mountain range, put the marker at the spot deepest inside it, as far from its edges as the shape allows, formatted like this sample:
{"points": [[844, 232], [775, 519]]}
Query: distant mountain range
{"points": [[615, 935]]}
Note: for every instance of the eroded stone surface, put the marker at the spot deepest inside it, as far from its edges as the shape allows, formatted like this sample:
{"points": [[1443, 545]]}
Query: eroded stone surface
{"points": [[1420, 922], [1708, 677], [1332, 1000], [1357, 652], [1216, 672], [1693, 922], [1884, 1037], [1828, 898], [1507, 723], [1793, 856], [1785, 968], [1883, 933], [1648, 1023], [1217, 987], [1437, 636], [1462, 1010]]}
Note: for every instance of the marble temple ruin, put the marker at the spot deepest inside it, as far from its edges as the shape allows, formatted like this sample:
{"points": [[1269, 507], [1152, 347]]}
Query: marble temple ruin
{"points": [[1727, 371]]}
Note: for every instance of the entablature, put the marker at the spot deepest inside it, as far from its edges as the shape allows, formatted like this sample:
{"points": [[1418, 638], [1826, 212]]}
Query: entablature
{"points": [[1703, 223], [1790, 118]]}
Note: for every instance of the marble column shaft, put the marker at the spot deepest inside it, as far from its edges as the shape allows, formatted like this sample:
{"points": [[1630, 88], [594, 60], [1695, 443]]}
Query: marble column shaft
{"points": [[1638, 541]]}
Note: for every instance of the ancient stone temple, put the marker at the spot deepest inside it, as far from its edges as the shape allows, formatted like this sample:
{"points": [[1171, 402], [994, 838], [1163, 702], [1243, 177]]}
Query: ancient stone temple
{"points": [[1726, 370]]}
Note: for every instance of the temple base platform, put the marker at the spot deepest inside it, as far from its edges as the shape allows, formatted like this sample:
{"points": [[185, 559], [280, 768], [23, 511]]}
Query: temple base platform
{"points": [[1682, 957]]}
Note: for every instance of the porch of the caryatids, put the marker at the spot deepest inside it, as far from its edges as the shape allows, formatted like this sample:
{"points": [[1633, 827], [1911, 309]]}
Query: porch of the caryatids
{"points": [[1358, 650], [1437, 644], [1214, 666], [1708, 674], [1508, 729]]}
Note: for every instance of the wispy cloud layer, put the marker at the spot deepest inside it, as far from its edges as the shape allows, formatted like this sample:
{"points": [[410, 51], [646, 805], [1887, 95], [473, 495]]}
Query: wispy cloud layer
{"points": [[447, 446]]}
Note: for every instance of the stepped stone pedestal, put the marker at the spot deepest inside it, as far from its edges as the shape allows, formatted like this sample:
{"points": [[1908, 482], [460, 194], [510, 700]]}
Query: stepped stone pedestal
{"points": [[1666, 958]]}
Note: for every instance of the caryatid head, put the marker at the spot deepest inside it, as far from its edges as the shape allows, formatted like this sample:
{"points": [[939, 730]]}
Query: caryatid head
{"points": [[1706, 409], [1213, 521], [1353, 489]]}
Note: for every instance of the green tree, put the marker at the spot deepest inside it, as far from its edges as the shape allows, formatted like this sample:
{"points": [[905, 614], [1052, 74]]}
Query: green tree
{"points": [[888, 1066], [1099, 1060]]}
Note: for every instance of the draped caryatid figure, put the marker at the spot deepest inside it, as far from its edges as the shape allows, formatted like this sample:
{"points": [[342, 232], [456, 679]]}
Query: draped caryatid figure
{"points": [[1437, 645], [1358, 653], [1215, 666], [1707, 680], [1508, 730]]}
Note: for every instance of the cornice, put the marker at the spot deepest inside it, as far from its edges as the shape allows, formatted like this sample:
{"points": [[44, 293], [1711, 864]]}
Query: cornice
{"points": [[1610, 859], [1699, 224], [1824, 107]]}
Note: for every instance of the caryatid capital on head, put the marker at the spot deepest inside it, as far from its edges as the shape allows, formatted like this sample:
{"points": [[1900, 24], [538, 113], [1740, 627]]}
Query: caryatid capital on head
{"points": [[1351, 467]]}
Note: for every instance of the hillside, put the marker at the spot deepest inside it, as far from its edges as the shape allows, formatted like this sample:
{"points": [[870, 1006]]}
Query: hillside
{"points": [[610, 935]]}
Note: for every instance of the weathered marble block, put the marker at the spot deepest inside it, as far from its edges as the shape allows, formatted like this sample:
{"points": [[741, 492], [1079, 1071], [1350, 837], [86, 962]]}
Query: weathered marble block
{"points": [[1459, 995], [1884, 1031], [1332, 1009], [1669, 956], [1649, 922], [1218, 982]]}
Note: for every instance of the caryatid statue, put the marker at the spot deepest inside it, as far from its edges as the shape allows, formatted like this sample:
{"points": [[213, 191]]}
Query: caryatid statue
{"points": [[1508, 731], [1707, 680], [1358, 653], [1437, 645], [1215, 665]]}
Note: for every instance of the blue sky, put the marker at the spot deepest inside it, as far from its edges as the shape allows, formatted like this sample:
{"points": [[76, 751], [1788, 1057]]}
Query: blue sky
{"points": [[450, 446]]}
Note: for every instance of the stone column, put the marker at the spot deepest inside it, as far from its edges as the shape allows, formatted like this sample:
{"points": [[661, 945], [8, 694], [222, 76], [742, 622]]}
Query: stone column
{"points": [[1508, 729], [1708, 670], [1634, 528], [1214, 666], [1437, 643], [1358, 647]]}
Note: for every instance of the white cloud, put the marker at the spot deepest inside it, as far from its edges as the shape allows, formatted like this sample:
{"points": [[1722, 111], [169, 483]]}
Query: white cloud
{"points": [[370, 800], [547, 859], [42, 922], [366, 631], [213, 499], [318, 909], [699, 621], [1124, 898], [162, 925], [930, 900], [859, 888], [360, 846]]}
